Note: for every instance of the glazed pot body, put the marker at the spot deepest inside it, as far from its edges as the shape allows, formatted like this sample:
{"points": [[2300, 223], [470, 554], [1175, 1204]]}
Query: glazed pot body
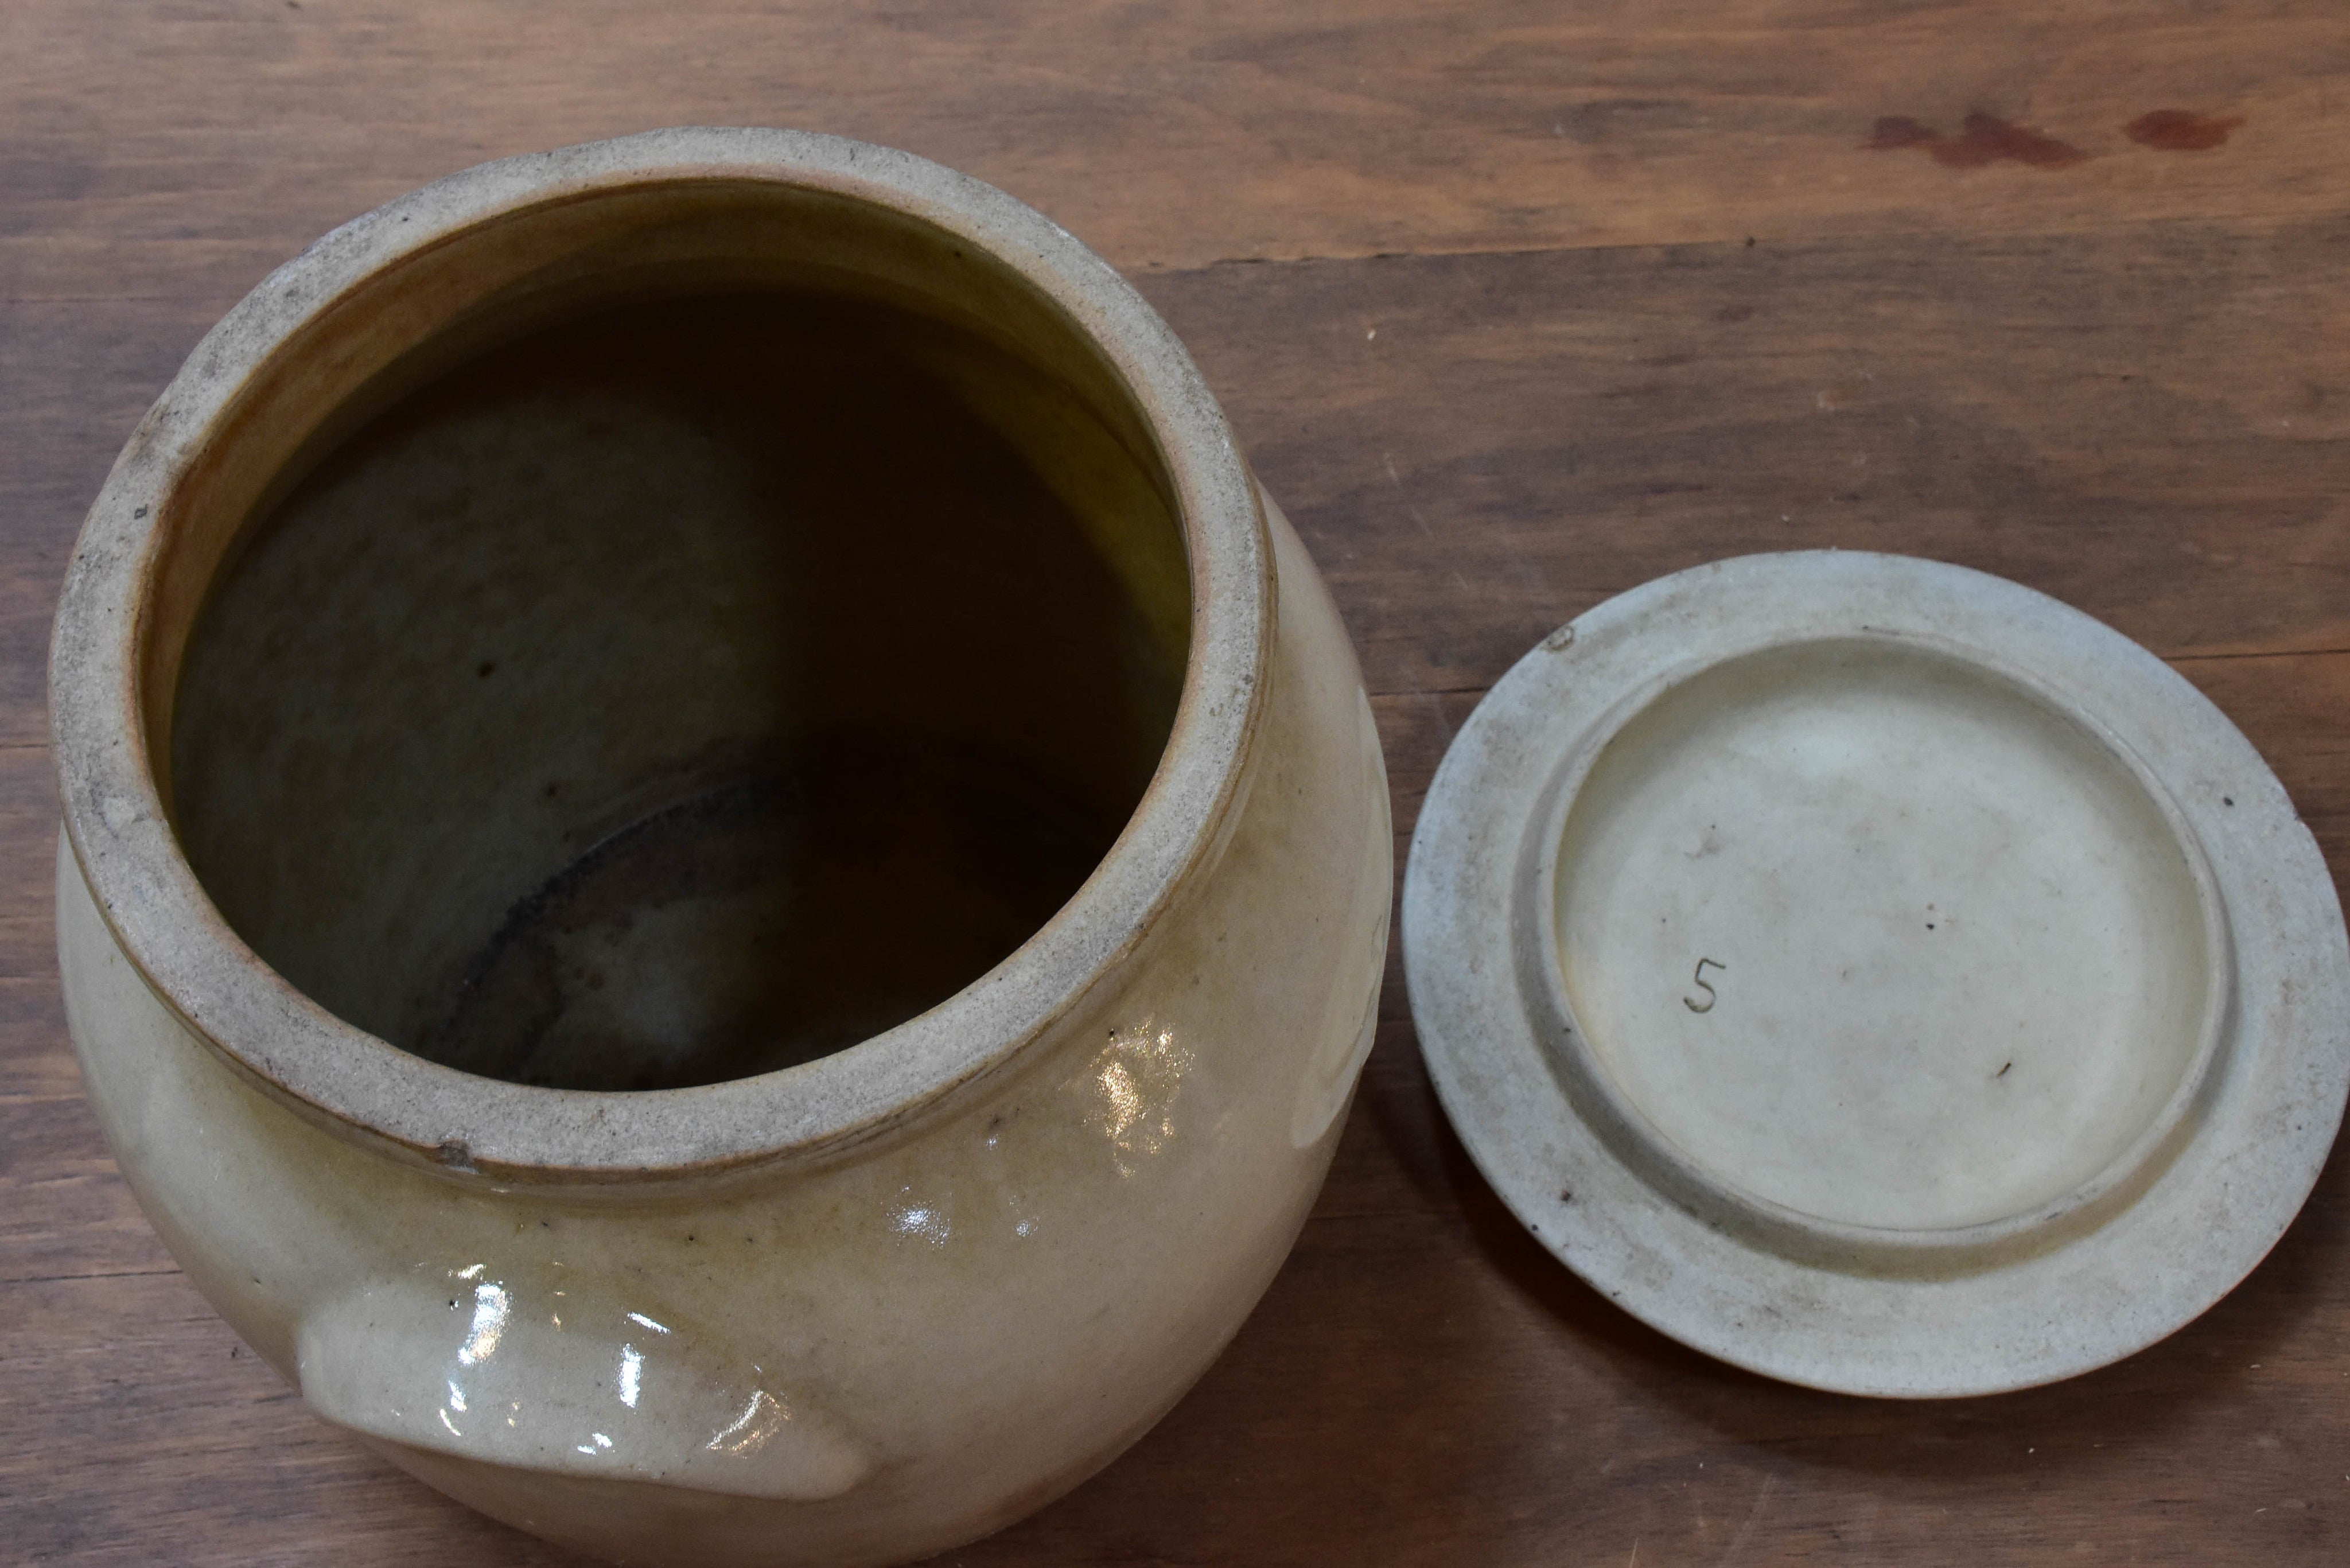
{"points": [[855, 1308]]}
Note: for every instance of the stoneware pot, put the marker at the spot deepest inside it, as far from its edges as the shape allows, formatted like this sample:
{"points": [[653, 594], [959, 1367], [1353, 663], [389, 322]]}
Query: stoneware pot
{"points": [[723, 877]]}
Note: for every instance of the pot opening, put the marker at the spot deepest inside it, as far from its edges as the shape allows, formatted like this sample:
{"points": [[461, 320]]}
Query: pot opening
{"points": [[679, 683]]}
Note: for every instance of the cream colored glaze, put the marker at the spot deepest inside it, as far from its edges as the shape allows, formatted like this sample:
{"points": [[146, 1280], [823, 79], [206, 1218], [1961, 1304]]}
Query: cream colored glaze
{"points": [[975, 1258], [950, 1326]]}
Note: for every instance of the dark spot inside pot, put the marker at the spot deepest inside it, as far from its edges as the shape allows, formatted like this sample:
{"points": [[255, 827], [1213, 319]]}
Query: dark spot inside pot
{"points": [[834, 647], [768, 921]]}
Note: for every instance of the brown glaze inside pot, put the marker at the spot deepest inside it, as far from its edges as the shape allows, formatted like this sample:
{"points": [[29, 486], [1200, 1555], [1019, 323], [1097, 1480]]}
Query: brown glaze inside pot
{"points": [[683, 686]]}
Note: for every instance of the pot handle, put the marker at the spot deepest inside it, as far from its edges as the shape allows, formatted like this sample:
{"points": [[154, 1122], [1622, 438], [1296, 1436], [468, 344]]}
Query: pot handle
{"points": [[537, 1374]]}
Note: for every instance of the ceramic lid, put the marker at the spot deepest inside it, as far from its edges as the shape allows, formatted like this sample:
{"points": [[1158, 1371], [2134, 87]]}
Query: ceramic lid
{"points": [[1878, 975]]}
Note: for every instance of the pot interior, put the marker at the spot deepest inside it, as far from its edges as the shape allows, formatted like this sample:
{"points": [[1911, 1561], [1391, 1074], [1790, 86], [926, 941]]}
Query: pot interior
{"points": [[680, 687]]}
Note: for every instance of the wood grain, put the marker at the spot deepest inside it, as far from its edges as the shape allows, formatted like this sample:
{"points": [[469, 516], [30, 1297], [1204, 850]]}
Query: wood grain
{"points": [[223, 136], [1474, 282]]}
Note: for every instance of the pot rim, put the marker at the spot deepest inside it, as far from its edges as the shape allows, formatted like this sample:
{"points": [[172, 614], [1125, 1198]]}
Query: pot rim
{"points": [[167, 926]]}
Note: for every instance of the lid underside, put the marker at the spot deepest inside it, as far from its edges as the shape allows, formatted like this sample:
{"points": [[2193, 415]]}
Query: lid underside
{"points": [[1888, 1004]]}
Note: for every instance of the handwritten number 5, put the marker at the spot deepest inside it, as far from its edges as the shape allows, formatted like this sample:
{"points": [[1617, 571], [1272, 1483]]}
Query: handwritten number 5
{"points": [[1691, 1003]]}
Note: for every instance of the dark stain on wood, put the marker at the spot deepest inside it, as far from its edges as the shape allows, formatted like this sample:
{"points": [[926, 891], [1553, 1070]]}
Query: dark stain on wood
{"points": [[2181, 130], [1982, 138]]}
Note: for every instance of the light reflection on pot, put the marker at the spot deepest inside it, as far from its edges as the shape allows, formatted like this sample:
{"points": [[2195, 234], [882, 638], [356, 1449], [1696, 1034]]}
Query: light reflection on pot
{"points": [[1139, 1076]]}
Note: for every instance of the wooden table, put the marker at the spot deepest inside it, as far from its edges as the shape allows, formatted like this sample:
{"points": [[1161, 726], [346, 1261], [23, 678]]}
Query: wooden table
{"points": [[1515, 305]]}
